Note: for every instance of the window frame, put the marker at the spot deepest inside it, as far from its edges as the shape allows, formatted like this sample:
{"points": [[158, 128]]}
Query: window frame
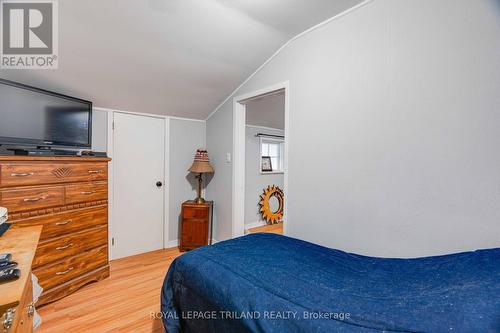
{"points": [[281, 153]]}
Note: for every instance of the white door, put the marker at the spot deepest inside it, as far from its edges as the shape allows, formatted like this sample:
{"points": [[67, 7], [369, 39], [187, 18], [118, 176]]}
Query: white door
{"points": [[138, 184]]}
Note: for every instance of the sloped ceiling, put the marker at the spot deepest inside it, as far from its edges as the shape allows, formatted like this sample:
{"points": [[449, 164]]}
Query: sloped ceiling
{"points": [[171, 57]]}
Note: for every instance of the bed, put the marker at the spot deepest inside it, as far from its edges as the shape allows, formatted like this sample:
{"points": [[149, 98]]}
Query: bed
{"points": [[272, 283]]}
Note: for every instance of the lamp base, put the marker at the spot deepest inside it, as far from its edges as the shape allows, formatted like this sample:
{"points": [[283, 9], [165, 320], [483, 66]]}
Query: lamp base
{"points": [[199, 200]]}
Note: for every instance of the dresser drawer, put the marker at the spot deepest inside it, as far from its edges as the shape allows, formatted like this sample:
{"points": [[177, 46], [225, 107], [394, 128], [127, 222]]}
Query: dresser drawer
{"points": [[55, 274], [21, 174], [31, 199], [64, 223], [86, 193], [67, 246]]}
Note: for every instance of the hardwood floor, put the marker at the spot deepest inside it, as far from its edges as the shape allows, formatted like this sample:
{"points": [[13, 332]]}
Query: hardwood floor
{"points": [[272, 228], [121, 303]]}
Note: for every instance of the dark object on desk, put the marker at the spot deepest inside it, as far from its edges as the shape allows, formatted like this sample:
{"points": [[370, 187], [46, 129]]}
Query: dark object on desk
{"points": [[329, 290], [7, 275], [5, 257], [3, 228], [196, 225], [7, 264]]}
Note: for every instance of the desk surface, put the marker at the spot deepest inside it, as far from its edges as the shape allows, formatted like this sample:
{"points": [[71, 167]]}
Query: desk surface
{"points": [[21, 243]]}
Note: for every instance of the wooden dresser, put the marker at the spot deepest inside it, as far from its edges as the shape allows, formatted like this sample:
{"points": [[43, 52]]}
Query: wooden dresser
{"points": [[16, 301], [196, 225], [68, 196]]}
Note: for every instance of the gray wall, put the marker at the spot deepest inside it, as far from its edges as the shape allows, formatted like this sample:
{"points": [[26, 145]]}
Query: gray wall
{"points": [[219, 143], [99, 130], [255, 181], [185, 137], [267, 111], [400, 101]]}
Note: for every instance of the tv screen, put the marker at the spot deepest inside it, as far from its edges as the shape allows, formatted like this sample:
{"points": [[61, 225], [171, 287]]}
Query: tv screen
{"points": [[35, 117]]}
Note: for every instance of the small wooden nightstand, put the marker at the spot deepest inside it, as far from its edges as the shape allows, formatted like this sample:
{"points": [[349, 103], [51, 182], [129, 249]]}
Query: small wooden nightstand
{"points": [[196, 225]]}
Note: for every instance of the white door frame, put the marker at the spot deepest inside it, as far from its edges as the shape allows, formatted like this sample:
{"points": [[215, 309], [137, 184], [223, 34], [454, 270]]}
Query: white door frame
{"points": [[238, 191], [110, 151]]}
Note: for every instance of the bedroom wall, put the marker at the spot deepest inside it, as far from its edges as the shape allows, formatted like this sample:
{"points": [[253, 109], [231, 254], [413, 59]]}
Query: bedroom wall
{"points": [[99, 130], [219, 146], [255, 181], [186, 136], [403, 99]]}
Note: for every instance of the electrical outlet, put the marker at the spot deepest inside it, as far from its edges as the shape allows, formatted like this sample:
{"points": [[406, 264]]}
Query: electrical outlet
{"points": [[228, 158]]}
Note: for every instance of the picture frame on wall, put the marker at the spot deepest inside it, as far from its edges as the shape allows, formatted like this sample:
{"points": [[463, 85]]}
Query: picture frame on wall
{"points": [[266, 165]]}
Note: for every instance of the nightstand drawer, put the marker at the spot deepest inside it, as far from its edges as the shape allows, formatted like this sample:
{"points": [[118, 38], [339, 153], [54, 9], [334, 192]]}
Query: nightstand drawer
{"points": [[197, 213], [195, 232], [86, 193], [31, 199]]}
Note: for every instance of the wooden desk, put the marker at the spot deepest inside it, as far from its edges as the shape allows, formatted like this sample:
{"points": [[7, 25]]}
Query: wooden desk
{"points": [[16, 299]]}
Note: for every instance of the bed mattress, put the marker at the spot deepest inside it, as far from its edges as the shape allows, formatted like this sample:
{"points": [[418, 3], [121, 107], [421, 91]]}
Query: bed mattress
{"points": [[272, 283]]}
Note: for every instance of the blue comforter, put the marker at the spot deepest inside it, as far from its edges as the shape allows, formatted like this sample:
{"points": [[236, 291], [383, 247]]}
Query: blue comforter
{"points": [[271, 283]]}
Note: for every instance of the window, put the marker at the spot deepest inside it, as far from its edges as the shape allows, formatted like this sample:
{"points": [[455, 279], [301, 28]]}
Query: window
{"points": [[273, 150]]}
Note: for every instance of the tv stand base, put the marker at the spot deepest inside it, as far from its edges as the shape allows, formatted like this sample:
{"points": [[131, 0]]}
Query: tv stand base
{"points": [[43, 152]]}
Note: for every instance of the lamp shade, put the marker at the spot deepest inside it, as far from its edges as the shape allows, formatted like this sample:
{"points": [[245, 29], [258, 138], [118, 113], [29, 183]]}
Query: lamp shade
{"points": [[201, 163]]}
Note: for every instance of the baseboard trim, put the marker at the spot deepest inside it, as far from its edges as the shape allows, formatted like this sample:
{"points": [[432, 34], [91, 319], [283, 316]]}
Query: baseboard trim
{"points": [[175, 243], [172, 243], [255, 224]]}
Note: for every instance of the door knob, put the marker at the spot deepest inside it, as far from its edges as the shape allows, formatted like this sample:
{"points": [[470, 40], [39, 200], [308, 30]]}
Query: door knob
{"points": [[159, 184]]}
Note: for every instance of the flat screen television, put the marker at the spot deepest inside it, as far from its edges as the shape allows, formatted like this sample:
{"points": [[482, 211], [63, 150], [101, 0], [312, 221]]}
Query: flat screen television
{"points": [[39, 118]]}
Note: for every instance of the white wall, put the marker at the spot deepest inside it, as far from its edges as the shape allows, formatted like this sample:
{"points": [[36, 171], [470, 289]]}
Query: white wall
{"points": [[255, 181], [186, 136], [400, 101]]}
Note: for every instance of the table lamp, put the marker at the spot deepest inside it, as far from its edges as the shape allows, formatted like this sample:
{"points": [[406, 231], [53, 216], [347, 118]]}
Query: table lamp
{"points": [[200, 166]]}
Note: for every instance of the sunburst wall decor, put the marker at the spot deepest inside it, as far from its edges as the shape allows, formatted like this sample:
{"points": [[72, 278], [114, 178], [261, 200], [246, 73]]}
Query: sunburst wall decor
{"points": [[265, 209]]}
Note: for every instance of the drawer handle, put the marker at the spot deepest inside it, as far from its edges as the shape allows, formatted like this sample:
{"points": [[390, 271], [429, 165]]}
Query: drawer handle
{"points": [[34, 199], [60, 248], [28, 174], [64, 222], [31, 309], [64, 272], [87, 192], [95, 171], [9, 319]]}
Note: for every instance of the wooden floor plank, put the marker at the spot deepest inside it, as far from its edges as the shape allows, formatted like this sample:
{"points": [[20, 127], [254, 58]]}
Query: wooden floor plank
{"points": [[121, 303], [272, 228]]}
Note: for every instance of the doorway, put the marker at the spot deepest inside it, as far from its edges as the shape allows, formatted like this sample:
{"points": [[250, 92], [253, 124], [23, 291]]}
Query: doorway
{"points": [[273, 141], [138, 183]]}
